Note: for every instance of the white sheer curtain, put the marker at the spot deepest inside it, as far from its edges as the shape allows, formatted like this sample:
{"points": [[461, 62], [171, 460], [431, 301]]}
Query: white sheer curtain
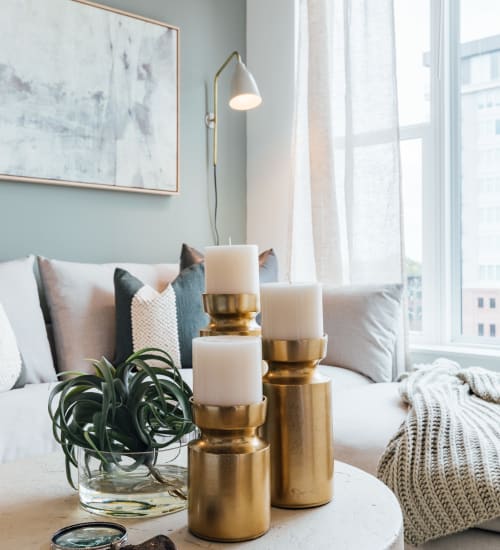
{"points": [[346, 213]]}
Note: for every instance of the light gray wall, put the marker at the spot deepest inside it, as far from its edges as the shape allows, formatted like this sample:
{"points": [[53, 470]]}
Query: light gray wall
{"points": [[270, 52], [93, 225]]}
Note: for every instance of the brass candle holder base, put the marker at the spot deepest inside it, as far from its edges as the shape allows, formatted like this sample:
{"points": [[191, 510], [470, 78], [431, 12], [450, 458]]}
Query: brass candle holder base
{"points": [[229, 474], [232, 314], [299, 423]]}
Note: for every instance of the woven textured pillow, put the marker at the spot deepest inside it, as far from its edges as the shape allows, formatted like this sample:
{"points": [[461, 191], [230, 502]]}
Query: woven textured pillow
{"points": [[10, 358], [145, 318]]}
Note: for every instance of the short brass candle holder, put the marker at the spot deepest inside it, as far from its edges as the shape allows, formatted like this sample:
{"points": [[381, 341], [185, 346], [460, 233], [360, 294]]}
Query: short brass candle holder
{"points": [[299, 423], [232, 314], [229, 473]]}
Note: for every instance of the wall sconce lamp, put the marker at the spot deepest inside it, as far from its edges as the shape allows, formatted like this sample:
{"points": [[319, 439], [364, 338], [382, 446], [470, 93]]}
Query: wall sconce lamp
{"points": [[244, 96]]}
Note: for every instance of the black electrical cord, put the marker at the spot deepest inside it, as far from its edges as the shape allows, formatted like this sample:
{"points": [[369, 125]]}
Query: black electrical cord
{"points": [[216, 204]]}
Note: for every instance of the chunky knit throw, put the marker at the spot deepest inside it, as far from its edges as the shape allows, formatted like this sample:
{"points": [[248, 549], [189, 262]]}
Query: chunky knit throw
{"points": [[443, 464]]}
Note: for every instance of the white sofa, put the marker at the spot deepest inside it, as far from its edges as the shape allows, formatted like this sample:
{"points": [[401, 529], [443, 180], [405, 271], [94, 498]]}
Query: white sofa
{"points": [[366, 414]]}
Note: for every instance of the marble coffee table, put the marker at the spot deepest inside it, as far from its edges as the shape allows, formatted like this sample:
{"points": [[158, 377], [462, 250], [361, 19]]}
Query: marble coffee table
{"points": [[36, 501]]}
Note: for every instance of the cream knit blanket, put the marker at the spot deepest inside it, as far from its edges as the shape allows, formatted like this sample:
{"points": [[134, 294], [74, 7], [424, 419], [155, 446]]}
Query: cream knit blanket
{"points": [[443, 464]]}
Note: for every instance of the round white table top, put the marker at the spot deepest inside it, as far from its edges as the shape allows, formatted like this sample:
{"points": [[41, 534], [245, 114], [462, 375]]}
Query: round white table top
{"points": [[36, 501]]}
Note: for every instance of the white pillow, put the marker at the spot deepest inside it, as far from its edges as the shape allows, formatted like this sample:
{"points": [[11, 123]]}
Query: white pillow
{"points": [[363, 323], [19, 297], [81, 302], [10, 358]]}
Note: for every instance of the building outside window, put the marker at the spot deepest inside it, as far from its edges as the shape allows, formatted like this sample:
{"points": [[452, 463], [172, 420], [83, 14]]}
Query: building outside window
{"points": [[480, 329], [495, 65], [493, 331], [480, 302], [493, 303]]}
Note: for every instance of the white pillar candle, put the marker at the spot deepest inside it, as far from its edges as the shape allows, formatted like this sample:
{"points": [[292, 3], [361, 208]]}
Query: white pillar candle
{"points": [[227, 370], [291, 311], [232, 269]]}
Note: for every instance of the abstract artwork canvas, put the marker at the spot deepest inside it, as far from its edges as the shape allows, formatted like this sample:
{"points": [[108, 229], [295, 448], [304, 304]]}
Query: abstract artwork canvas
{"points": [[88, 97]]}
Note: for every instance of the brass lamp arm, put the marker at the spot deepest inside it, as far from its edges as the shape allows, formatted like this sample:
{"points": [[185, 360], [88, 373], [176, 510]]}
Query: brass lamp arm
{"points": [[212, 117]]}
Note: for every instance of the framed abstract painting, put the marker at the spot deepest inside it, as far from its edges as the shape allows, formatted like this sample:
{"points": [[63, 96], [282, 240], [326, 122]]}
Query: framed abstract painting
{"points": [[89, 97]]}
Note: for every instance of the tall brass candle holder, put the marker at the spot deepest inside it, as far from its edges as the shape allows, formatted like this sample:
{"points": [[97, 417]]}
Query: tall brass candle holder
{"points": [[229, 473], [299, 423], [232, 314]]}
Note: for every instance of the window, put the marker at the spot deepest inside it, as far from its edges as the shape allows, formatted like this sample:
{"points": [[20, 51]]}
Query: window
{"points": [[413, 74], [495, 65], [493, 303], [448, 75], [474, 40]]}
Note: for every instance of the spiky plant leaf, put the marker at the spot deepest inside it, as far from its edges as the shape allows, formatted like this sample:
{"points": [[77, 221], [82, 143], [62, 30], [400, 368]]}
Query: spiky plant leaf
{"points": [[132, 407]]}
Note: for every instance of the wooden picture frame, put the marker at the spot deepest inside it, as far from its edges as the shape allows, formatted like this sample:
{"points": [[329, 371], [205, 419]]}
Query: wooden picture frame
{"points": [[89, 97]]}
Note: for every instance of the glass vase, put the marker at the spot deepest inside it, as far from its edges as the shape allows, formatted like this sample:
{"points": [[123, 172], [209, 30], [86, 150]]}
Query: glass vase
{"points": [[131, 485]]}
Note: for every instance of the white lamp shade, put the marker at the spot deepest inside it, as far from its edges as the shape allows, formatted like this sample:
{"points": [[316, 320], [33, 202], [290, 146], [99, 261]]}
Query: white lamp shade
{"points": [[245, 94]]}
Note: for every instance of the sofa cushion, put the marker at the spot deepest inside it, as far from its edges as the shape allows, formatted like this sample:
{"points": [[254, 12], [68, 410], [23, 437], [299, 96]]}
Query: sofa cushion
{"points": [[19, 297], [344, 379], [145, 318], [362, 323], [26, 428], [10, 358], [472, 539], [365, 418], [491, 525], [81, 301]]}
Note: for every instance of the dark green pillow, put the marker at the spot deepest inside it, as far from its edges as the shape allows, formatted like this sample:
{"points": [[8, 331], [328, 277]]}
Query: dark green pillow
{"points": [[126, 286]]}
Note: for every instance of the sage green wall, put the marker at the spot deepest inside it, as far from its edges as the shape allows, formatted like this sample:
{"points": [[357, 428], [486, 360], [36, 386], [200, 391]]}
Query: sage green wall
{"points": [[96, 226]]}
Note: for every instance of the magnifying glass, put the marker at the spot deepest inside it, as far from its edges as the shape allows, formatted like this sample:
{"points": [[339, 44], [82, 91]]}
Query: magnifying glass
{"points": [[98, 535]]}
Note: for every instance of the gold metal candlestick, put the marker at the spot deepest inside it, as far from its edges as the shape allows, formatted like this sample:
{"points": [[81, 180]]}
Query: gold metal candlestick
{"points": [[299, 423], [232, 314], [229, 474]]}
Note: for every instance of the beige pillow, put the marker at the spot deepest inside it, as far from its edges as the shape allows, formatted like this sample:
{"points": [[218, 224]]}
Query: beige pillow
{"points": [[81, 302]]}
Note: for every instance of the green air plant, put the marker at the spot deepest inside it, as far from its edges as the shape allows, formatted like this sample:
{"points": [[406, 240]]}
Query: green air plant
{"points": [[129, 408]]}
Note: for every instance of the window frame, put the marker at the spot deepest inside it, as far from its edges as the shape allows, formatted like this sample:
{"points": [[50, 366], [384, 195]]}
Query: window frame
{"points": [[442, 196], [435, 255]]}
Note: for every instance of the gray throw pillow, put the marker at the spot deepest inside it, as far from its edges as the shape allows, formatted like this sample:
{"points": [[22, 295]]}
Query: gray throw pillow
{"points": [[363, 324], [20, 299]]}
